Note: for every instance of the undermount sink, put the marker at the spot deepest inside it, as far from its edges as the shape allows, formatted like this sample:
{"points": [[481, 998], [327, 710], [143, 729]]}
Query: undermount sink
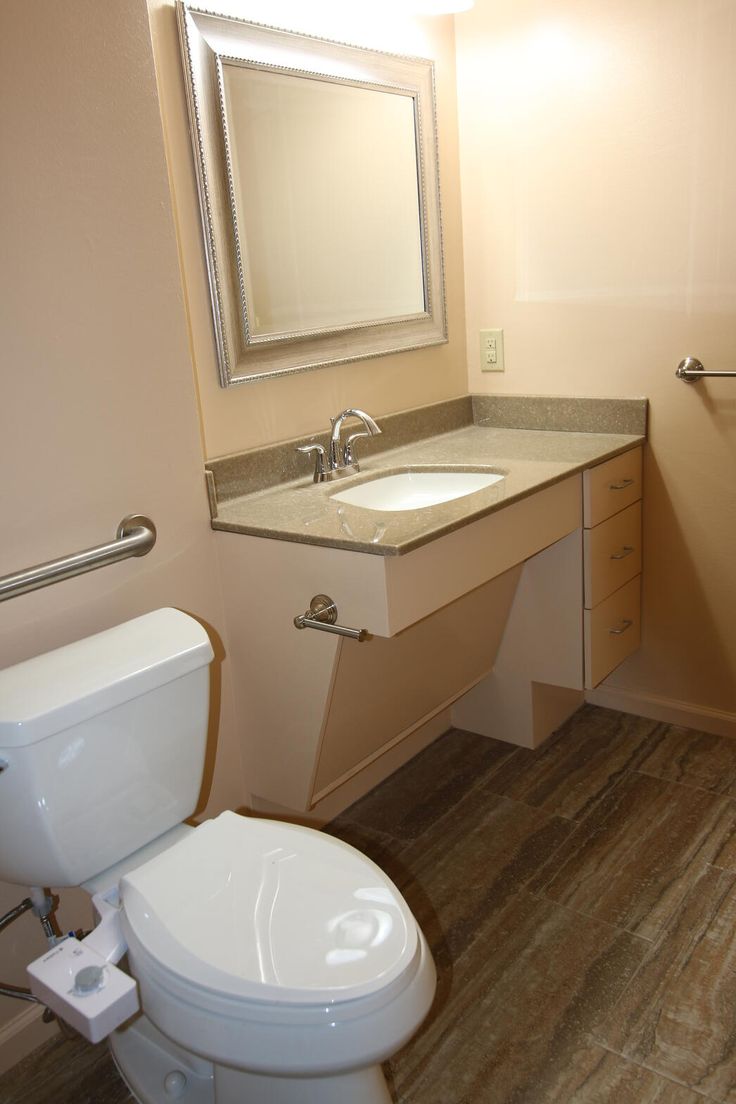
{"points": [[414, 490]]}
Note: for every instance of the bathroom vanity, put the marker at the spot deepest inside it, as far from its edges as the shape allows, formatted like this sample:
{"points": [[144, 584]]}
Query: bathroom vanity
{"points": [[501, 606]]}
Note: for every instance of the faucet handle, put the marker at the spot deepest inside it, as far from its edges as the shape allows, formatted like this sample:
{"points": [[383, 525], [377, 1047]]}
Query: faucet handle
{"points": [[348, 454], [319, 460]]}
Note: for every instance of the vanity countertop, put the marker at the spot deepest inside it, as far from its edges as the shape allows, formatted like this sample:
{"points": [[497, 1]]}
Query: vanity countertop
{"points": [[529, 460]]}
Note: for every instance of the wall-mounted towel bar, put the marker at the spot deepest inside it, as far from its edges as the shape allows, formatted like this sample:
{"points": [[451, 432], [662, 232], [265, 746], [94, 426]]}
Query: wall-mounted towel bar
{"points": [[691, 370], [136, 536], [322, 615]]}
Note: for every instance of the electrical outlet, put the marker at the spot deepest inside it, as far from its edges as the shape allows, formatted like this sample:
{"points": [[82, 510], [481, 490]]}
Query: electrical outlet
{"points": [[491, 351]]}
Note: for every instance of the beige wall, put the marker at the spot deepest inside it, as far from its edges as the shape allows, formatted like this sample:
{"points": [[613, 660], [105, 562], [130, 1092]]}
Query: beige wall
{"points": [[252, 414], [598, 166], [98, 408]]}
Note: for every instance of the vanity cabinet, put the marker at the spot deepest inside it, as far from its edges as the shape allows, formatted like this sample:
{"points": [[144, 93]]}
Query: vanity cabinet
{"points": [[322, 708], [611, 563], [496, 626]]}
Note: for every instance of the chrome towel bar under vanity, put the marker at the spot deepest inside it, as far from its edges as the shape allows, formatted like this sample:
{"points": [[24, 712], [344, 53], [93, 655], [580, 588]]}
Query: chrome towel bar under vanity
{"points": [[136, 535], [691, 370], [322, 615]]}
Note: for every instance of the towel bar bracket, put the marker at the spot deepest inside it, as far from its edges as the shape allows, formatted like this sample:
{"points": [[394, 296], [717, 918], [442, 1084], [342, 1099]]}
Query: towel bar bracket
{"points": [[322, 615], [691, 370]]}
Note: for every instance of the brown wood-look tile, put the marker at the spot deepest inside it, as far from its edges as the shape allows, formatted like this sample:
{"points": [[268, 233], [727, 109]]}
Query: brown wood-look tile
{"points": [[474, 859], [579, 764], [634, 859], [692, 758], [519, 1001], [678, 1015], [65, 1071], [407, 804], [594, 1075], [377, 845], [725, 857]]}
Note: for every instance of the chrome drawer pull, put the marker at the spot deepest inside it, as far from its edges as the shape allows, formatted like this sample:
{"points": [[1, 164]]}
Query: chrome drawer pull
{"points": [[625, 551], [625, 624], [622, 485]]}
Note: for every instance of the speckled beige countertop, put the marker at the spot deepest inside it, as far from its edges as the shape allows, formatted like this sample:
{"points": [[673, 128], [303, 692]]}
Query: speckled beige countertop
{"points": [[529, 459]]}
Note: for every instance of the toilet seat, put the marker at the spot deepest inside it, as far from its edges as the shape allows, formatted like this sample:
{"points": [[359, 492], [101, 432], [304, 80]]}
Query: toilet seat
{"points": [[254, 910]]}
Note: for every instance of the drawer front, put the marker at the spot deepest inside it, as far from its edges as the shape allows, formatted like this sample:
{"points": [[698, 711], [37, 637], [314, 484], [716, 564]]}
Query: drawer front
{"points": [[612, 632], [612, 554], [611, 487]]}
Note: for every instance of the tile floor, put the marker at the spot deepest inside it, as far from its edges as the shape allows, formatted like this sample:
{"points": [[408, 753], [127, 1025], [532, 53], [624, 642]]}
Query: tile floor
{"points": [[580, 903]]}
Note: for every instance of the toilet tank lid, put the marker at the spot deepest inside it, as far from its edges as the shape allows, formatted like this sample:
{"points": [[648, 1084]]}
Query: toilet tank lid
{"points": [[54, 691]]}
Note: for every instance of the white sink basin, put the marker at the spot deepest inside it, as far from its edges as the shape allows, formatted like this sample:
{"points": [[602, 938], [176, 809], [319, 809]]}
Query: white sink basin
{"points": [[415, 490]]}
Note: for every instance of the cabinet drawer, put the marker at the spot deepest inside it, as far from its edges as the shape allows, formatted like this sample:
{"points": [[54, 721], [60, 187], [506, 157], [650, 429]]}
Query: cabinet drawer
{"points": [[611, 487], [612, 632], [612, 554]]}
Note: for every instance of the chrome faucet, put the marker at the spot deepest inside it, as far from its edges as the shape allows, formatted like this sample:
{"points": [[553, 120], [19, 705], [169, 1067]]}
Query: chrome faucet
{"points": [[339, 460]]}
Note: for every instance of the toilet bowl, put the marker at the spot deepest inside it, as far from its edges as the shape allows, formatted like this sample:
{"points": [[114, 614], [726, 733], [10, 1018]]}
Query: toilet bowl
{"points": [[273, 963], [275, 949]]}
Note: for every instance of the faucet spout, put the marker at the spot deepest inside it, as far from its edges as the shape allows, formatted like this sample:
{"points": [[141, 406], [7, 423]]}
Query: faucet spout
{"points": [[344, 460], [339, 459]]}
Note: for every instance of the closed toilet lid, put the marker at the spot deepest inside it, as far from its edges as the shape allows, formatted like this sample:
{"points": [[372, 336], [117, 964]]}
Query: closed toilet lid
{"points": [[263, 910]]}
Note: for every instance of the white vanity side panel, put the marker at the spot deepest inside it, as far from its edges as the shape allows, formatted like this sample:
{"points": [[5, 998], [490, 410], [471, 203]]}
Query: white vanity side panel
{"points": [[537, 680], [354, 580], [282, 676], [384, 687], [448, 567]]}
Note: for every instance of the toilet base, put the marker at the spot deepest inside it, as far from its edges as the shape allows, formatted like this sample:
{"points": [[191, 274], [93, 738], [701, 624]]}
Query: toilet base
{"points": [[157, 1071], [367, 1086]]}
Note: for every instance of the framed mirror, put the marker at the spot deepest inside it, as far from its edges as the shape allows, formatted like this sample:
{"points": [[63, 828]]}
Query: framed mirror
{"points": [[319, 193]]}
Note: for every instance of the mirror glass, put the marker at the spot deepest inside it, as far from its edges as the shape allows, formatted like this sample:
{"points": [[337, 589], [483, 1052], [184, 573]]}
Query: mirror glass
{"points": [[318, 184], [309, 203]]}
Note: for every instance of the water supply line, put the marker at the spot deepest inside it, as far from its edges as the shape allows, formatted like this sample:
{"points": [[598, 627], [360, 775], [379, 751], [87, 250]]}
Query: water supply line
{"points": [[42, 905], [9, 917]]}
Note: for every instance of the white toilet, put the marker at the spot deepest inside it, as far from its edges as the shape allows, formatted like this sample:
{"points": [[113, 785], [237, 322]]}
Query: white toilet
{"points": [[273, 963]]}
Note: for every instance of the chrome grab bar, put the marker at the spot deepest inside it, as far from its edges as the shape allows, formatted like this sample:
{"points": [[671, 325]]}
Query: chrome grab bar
{"points": [[322, 615], [691, 370], [136, 535]]}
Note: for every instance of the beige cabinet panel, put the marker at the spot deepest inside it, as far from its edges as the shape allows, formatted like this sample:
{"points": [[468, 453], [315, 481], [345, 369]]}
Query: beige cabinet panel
{"points": [[612, 632], [385, 686], [612, 554], [611, 487], [537, 679], [439, 572]]}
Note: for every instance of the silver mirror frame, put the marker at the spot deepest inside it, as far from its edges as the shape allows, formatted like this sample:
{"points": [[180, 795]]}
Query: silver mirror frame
{"points": [[208, 39]]}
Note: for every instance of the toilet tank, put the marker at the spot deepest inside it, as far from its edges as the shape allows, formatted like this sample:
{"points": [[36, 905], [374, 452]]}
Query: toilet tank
{"points": [[102, 747]]}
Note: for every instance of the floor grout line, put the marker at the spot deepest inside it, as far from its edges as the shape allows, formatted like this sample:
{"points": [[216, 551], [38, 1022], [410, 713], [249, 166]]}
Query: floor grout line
{"points": [[651, 1069], [686, 785]]}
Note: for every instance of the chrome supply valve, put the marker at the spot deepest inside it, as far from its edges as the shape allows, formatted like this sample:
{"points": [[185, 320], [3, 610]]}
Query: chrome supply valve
{"points": [[339, 459]]}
